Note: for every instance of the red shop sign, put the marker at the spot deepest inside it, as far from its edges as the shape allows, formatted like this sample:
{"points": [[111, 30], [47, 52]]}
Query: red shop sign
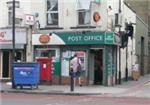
{"points": [[44, 38], [96, 16]]}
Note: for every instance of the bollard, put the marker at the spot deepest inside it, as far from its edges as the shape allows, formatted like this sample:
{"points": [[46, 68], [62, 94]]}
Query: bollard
{"points": [[71, 81]]}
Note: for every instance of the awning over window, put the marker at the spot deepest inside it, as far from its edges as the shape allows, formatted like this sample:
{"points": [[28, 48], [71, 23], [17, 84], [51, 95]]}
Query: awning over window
{"points": [[9, 46], [83, 4]]}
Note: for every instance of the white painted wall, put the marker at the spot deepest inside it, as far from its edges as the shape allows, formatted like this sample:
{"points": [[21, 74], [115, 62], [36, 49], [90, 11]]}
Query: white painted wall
{"points": [[67, 12], [68, 18], [39, 6], [3, 15], [25, 6], [128, 16]]}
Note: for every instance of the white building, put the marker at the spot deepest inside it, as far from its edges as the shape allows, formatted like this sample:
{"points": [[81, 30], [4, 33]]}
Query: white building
{"points": [[86, 27], [6, 40], [72, 22], [128, 56]]}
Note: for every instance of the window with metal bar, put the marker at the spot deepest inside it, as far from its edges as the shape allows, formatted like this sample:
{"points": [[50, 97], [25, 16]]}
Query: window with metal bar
{"points": [[52, 12]]}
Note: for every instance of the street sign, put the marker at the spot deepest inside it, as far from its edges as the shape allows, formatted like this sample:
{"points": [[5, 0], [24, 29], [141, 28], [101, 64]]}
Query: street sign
{"points": [[29, 19]]}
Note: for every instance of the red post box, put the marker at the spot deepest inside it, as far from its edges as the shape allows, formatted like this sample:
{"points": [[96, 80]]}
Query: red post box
{"points": [[45, 68]]}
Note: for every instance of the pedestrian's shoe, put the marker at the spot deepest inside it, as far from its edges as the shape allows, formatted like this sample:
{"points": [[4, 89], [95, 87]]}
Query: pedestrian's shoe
{"points": [[80, 85]]}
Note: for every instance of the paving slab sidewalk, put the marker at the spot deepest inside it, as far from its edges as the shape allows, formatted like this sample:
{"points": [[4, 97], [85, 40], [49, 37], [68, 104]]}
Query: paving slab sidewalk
{"points": [[116, 90]]}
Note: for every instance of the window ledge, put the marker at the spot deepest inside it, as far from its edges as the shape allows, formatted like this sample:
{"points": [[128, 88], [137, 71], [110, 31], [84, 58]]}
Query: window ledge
{"points": [[78, 27], [51, 28]]}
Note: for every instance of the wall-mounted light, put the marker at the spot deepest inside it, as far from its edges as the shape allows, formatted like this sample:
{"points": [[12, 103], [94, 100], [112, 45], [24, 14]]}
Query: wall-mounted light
{"points": [[36, 14]]}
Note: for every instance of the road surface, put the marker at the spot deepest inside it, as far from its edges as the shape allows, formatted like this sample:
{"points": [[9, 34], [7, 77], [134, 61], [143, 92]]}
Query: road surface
{"points": [[38, 99]]}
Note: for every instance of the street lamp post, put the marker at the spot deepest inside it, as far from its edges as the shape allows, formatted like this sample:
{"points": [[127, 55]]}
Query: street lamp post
{"points": [[13, 39], [119, 47]]}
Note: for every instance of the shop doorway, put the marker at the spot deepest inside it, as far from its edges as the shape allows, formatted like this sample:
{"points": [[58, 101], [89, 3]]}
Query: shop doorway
{"points": [[5, 64], [19, 56], [98, 66]]}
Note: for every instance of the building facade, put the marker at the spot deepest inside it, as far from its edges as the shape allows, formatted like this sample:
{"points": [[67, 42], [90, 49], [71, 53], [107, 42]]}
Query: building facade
{"points": [[6, 37], [6, 49], [142, 8], [110, 19], [89, 28], [128, 56], [84, 27], [142, 49]]}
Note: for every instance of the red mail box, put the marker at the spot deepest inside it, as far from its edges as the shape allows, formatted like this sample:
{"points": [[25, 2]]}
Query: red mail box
{"points": [[45, 68]]}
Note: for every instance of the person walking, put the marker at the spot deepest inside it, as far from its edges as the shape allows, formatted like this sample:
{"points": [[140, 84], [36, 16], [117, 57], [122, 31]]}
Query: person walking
{"points": [[75, 64]]}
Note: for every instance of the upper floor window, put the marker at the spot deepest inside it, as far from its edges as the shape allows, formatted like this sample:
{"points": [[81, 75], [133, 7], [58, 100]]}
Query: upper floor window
{"points": [[52, 12], [10, 12], [84, 17], [83, 10]]}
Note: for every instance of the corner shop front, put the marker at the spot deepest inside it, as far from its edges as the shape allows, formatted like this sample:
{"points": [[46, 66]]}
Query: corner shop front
{"points": [[6, 48], [97, 50]]}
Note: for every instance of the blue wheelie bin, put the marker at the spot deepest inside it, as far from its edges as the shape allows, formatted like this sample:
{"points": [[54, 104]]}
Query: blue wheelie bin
{"points": [[26, 74]]}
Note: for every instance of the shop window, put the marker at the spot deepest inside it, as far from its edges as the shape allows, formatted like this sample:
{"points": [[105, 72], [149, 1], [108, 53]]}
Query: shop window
{"points": [[67, 55], [46, 53], [83, 11], [52, 12]]}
